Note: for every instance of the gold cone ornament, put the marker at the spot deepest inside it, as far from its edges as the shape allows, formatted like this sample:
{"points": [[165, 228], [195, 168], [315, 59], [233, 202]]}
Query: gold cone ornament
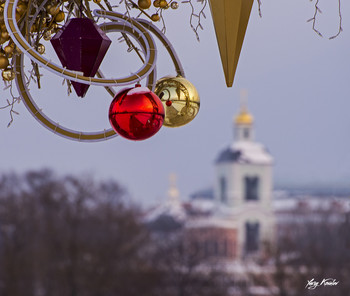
{"points": [[230, 19]]}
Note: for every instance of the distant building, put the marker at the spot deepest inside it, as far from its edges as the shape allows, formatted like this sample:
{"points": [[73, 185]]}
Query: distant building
{"points": [[242, 214], [243, 219], [239, 218]]}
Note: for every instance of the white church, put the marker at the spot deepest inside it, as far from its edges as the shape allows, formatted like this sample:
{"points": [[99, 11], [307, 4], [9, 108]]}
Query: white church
{"points": [[242, 220], [242, 216], [238, 220]]}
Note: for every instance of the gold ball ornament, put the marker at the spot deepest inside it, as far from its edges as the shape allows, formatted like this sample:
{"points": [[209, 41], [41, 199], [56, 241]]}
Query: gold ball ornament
{"points": [[174, 5], [8, 74], [4, 62], [41, 48], [155, 17], [144, 4], [180, 99], [156, 3]]}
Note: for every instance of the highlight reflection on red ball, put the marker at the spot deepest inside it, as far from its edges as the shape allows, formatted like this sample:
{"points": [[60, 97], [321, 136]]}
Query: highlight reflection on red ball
{"points": [[136, 113]]}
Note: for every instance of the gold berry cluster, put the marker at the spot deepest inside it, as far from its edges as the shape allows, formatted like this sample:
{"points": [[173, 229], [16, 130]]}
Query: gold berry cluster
{"points": [[159, 4], [45, 24], [39, 20]]}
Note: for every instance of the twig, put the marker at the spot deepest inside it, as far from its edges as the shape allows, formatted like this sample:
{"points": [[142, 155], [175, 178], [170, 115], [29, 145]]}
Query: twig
{"points": [[340, 22]]}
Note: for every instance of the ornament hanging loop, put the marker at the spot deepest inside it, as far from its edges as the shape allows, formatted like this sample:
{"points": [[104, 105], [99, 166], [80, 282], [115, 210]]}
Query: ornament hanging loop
{"points": [[81, 9]]}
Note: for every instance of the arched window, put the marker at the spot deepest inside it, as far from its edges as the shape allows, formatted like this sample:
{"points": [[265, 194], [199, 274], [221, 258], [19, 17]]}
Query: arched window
{"points": [[246, 133], [251, 188], [223, 190], [251, 237]]}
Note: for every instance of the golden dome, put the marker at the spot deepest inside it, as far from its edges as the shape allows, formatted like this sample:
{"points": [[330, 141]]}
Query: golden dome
{"points": [[244, 117]]}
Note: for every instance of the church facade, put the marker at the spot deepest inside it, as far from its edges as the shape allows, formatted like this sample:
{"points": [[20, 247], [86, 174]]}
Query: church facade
{"points": [[242, 221], [237, 220]]}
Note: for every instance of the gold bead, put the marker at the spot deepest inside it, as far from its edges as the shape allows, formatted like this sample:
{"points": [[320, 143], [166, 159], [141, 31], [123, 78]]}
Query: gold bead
{"points": [[21, 8], [17, 50], [54, 28], [41, 48], [5, 35], [163, 3], [180, 100], [54, 10], [8, 49], [48, 6], [156, 3], [155, 17], [59, 16], [34, 28], [47, 35], [4, 62], [8, 74], [144, 4], [43, 21], [174, 5]]}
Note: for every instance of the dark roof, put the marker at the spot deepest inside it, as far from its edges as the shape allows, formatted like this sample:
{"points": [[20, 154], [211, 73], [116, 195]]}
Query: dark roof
{"points": [[164, 223], [203, 194], [228, 155]]}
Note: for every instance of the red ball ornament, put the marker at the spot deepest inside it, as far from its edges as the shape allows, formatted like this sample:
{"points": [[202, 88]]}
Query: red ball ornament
{"points": [[136, 113]]}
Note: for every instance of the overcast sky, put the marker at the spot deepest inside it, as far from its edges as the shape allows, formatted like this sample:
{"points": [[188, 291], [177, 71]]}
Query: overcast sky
{"points": [[298, 91]]}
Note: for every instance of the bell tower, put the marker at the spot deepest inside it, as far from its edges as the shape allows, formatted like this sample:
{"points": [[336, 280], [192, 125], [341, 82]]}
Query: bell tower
{"points": [[243, 185]]}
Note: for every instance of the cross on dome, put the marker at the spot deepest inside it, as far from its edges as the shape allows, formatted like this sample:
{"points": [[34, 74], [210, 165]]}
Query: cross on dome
{"points": [[243, 117]]}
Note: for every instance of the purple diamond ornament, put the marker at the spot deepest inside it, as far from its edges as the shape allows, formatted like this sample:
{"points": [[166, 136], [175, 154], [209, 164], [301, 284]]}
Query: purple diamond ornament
{"points": [[81, 46]]}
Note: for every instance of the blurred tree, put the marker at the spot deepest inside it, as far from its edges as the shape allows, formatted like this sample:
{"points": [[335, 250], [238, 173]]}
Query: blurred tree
{"points": [[185, 270], [77, 237], [69, 236], [315, 247]]}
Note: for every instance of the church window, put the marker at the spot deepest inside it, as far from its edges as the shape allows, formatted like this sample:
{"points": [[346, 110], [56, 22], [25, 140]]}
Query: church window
{"points": [[251, 188], [251, 237], [211, 247], [215, 248], [224, 248], [246, 133], [223, 190]]}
